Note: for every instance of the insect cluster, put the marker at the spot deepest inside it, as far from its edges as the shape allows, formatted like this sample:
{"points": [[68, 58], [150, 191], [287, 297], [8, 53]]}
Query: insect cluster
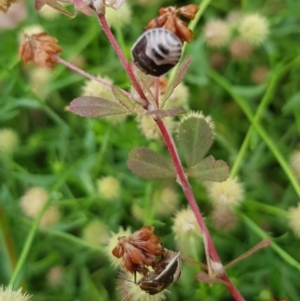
{"points": [[142, 253], [159, 48]]}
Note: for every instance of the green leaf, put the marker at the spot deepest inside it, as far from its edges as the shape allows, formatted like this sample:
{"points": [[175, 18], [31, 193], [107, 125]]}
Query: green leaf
{"points": [[166, 113], [195, 138], [210, 169], [147, 164], [123, 99], [177, 79], [89, 106]]}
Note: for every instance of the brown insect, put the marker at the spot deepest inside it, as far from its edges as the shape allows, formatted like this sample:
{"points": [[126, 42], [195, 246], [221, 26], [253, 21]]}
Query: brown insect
{"points": [[166, 272]]}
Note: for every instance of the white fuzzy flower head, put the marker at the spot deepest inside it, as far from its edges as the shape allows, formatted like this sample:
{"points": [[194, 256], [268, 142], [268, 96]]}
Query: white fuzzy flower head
{"points": [[294, 219], [93, 88], [108, 188], [96, 232], [295, 162], [9, 141], [227, 193], [166, 201], [185, 223], [130, 291], [119, 18], [40, 79], [216, 33], [7, 294], [33, 201], [112, 243], [50, 217], [137, 212], [55, 275], [254, 29]]}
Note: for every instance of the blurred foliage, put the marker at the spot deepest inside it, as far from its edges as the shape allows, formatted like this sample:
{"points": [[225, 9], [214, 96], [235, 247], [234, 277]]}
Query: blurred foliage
{"points": [[66, 154]]}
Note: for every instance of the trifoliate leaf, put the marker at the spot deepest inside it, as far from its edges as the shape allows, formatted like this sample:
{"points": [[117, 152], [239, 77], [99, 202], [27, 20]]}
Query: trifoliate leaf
{"points": [[209, 169], [195, 138], [147, 164], [89, 106]]}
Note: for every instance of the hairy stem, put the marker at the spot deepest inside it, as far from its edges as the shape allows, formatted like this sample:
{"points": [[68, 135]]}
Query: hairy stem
{"points": [[210, 250], [121, 56]]}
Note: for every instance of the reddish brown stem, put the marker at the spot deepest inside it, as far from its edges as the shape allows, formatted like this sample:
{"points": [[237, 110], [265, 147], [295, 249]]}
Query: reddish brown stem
{"points": [[210, 250], [121, 56]]}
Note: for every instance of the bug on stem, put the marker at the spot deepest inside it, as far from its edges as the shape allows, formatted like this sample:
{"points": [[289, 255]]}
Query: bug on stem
{"points": [[157, 51]]}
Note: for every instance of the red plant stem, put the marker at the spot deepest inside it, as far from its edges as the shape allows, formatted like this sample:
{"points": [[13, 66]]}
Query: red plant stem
{"points": [[121, 56], [211, 252]]}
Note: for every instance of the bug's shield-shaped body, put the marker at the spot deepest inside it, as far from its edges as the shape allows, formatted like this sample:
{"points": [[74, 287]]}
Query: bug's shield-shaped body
{"points": [[166, 272], [157, 51]]}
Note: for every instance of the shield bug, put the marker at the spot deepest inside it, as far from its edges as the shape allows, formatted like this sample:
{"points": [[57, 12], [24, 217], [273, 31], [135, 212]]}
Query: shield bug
{"points": [[167, 271], [156, 51]]}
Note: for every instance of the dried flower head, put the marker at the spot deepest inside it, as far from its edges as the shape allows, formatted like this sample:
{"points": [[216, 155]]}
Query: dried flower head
{"points": [[240, 49], [294, 219], [139, 249], [7, 294], [295, 162], [9, 141], [130, 291], [108, 188], [227, 193], [112, 242], [216, 33], [169, 19], [96, 232], [39, 48], [254, 29], [5, 4], [33, 201]]}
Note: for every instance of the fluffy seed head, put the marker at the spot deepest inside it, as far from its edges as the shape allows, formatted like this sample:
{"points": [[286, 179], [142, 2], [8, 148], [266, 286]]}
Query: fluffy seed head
{"points": [[109, 188], [93, 88], [33, 201], [294, 219], [130, 291], [112, 242], [7, 294], [96, 232], [295, 162], [185, 223], [179, 98], [240, 49], [9, 141], [227, 193], [119, 18], [216, 33], [254, 29]]}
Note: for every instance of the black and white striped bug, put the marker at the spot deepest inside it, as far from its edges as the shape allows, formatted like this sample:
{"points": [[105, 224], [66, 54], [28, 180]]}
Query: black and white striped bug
{"points": [[156, 51], [166, 272]]}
